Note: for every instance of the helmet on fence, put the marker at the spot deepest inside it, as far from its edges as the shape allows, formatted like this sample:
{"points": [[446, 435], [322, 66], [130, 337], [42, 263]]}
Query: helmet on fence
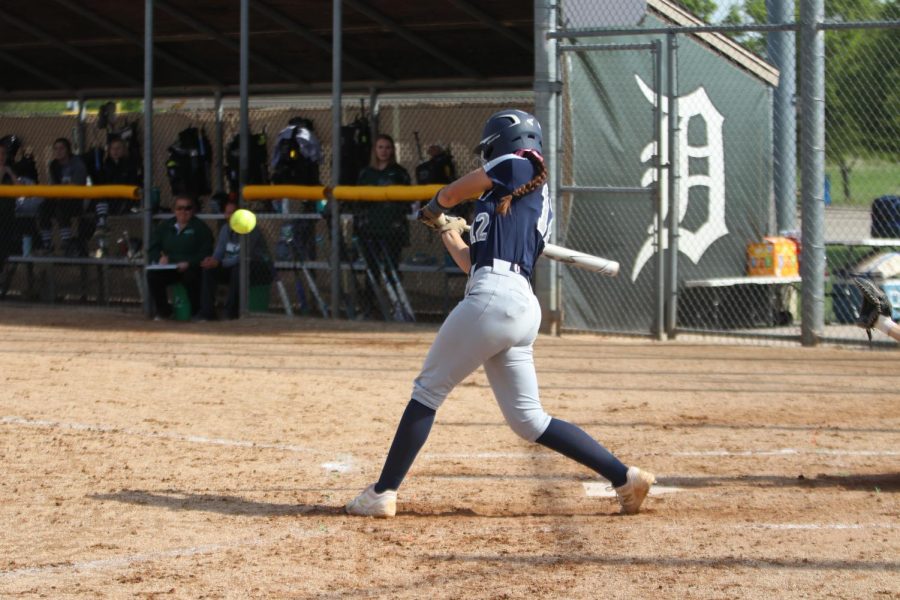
{"points": [[508, 131]]}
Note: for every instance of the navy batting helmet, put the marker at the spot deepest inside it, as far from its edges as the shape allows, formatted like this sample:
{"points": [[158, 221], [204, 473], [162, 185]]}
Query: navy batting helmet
{"points": [[507, 131]]}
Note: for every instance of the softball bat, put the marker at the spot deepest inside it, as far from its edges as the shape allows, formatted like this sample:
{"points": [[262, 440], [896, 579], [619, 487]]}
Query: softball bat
{"points": [[604, 266], [595, 264]]}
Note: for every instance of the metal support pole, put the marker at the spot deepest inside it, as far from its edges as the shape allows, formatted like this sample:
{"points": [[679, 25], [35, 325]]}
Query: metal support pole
{"points": [[218, 170], [672, 190], [81, 110], [782, 52], [243, 271], [336, 116], [812, 169], [546, 98], [148, 147], [660, 197], [373, 114]]}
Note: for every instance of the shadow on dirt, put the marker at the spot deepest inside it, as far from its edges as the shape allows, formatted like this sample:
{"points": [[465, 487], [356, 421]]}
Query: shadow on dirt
{"points": [[218, 503], [95, 319], [878, 482], [678, 562]]}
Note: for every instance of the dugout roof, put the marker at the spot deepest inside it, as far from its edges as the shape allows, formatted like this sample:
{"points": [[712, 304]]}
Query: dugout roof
{"points": [[94, 48]]}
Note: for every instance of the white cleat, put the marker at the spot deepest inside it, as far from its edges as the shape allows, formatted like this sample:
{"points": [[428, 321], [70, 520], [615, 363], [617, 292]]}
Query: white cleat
{"points": [[632, 493], [371, 504]]}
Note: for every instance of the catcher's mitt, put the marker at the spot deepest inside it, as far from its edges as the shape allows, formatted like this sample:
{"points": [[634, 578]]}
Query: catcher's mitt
{"points": [[874, 303]]}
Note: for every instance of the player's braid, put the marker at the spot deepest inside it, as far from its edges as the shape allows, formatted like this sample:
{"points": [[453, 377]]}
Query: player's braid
{"points": [[537, 181]]}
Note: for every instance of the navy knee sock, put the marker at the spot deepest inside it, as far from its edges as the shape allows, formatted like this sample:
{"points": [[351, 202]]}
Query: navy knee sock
{"points": [[571, 441], [413, 430]]}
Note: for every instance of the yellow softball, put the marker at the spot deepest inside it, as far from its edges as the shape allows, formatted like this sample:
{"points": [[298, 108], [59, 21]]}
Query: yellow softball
{"points": [[242, 221]]}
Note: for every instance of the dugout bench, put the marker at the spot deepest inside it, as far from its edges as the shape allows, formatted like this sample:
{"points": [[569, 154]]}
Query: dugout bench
{"points": [[43, 284], [357, 267], [736, 302]]}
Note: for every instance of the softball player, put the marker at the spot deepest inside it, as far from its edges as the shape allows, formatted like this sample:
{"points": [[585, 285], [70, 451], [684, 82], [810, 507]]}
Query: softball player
{"points": [[497, 321]]}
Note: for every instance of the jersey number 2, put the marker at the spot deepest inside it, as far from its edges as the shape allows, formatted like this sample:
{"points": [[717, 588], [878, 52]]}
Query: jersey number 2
{"points": [[479, 227]]}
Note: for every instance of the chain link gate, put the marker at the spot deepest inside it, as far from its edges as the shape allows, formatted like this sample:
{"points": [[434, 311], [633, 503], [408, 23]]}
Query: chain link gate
{"points": [[609, 141], [659, 129]]}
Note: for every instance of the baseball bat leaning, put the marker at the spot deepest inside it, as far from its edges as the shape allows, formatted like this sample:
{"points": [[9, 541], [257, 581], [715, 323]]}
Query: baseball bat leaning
{"points": [[595, 264]]}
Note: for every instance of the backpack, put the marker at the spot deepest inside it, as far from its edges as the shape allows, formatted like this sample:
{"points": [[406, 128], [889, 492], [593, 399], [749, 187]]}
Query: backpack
{"points": [[356, 147], [12, 142], [297, 154], [189, 163], [257, 161], [438, 169], [26, 168]]}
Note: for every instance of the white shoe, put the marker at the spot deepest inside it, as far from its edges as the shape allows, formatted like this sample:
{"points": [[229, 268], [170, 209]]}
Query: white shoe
{"points": [[632, 493], [371, 504]]}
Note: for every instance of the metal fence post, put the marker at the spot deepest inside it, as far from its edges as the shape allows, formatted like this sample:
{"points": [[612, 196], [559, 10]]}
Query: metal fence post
{"points": [[546, 97], [672, 185], [218, 171], [336, 42], [243, 271], [812, 156], [783, 53], [146, 204], [660, 198]]}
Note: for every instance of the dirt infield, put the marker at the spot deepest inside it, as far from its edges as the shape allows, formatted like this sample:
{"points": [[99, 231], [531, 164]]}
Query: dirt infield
{"points": [[211, 460]]}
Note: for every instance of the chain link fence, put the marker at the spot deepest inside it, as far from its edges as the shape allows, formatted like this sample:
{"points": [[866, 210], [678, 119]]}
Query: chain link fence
{"points": [[730, 197], [608, 196], [862, 154], [433, 138], [678, 157]]}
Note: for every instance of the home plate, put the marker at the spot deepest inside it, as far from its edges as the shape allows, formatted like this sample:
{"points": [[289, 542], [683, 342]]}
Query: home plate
{"points": [[602, 489], [336, 467]]}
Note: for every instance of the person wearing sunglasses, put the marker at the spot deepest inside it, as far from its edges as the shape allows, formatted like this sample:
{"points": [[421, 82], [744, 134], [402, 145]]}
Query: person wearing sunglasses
{"points": [[178, 246]]}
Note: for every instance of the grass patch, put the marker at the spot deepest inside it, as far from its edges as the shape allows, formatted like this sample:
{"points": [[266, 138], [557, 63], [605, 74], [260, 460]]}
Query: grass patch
{"points": [[869, 179]]}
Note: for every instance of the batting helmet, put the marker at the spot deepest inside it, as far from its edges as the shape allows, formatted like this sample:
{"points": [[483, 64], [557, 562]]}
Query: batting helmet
{"points": [[507, 131]]}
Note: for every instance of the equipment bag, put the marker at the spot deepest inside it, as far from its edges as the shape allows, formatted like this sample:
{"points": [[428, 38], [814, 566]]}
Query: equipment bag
{"points": [[257, 161], [438, 169], [297, 154], [356, 148], [189, 163]]}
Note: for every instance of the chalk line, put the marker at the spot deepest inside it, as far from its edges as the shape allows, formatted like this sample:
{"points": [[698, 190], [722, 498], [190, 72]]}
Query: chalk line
{"points": [[602, 489], [545, 455], [134, 559], [344, 462]]}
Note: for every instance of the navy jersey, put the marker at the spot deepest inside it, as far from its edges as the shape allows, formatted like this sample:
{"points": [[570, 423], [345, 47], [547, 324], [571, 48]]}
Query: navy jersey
{"points": [[519, 236]]}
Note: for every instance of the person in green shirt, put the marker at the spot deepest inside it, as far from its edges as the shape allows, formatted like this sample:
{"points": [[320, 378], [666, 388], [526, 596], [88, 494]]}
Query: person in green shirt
{"points": [[382, 228], [383, 221], [177, 247]]}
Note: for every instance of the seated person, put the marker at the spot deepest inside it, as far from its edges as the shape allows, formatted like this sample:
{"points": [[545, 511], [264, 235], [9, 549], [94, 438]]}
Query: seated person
{"points": [[183, 241], [65, 169], [224, 266], [118, 169], [7, 210]]}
